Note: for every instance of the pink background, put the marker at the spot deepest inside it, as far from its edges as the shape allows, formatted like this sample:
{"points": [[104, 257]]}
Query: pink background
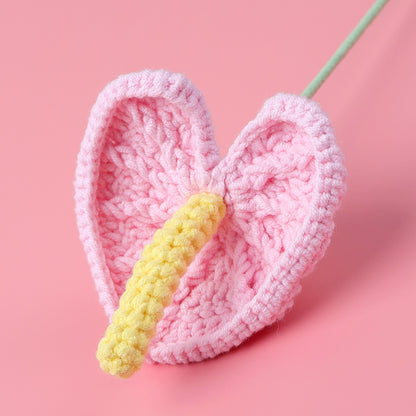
{"points": [[348, 346]]}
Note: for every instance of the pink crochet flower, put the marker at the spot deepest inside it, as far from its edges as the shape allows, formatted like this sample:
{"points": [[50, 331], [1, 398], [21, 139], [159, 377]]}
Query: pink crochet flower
{"points": [[148, 146]]}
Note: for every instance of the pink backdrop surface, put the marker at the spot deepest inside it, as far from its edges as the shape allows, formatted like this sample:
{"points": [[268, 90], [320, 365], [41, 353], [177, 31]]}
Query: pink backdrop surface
{"points": [[348, 346]]}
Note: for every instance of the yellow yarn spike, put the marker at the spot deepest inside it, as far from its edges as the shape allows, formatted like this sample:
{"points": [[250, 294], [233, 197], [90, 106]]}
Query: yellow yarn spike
{"points": [[155, 278]]}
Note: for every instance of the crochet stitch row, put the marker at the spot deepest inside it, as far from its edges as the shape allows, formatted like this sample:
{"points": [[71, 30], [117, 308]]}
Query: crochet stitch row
{"points": [[155, 278]]}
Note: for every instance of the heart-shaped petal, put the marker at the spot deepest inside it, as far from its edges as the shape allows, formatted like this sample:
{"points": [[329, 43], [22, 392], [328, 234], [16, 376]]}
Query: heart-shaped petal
{"points": [[282, 182]]}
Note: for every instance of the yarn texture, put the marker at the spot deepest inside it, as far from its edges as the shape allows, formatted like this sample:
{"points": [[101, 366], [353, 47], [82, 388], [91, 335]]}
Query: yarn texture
{"points": [[155, 278], [148, 148]]}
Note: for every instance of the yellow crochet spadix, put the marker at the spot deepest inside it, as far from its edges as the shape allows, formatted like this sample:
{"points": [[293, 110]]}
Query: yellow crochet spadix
{"points": [[155, 278]]}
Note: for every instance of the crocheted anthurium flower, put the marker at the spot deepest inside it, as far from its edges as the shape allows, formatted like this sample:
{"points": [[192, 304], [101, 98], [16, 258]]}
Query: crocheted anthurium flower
{"points": [[213, 250]]}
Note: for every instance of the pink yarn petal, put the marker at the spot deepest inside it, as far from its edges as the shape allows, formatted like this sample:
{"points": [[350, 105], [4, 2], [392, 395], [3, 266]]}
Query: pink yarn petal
{"points": [[285, 178], [148, 146], [282, 181]]}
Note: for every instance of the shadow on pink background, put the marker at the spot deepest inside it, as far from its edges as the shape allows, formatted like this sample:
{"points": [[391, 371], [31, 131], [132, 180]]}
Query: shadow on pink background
{"points": [[348, 346]]}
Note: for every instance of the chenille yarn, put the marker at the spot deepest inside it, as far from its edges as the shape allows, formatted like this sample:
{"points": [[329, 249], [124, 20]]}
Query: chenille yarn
{"points": [[155, 278], [148, 148]]}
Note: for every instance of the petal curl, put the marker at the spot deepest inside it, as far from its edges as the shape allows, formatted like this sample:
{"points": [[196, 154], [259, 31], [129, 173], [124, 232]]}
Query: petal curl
{"points": [[148, 146]]}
